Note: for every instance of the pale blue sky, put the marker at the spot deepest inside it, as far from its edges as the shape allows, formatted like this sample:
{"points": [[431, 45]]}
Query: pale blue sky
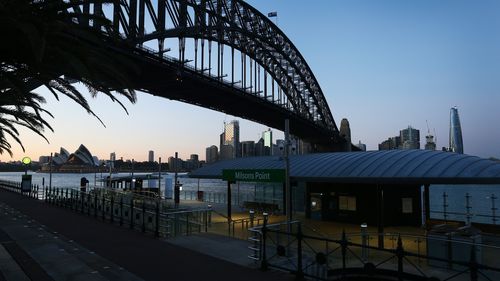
{"points": [[384, 65]]}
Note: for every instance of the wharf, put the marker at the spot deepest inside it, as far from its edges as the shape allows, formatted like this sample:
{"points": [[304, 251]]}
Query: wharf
{"points": [[43, 242]]}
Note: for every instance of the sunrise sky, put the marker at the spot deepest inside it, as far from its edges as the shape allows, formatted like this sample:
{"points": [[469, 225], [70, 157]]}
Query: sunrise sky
{"points": [[382, 64]]}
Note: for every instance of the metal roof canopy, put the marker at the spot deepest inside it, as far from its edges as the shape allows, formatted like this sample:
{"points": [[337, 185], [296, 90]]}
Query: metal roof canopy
{"points": [[389, 167]]}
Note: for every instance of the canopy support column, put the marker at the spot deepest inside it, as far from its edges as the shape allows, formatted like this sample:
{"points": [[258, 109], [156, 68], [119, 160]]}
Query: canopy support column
{"points": [[427, 206], [380, 216]]}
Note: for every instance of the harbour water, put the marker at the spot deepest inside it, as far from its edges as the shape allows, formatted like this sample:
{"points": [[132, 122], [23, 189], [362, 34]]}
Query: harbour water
{"points": [[479, 201]]}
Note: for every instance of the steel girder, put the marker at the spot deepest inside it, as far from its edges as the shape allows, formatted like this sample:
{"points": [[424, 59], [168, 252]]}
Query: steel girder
{"points": [[233, 23]]}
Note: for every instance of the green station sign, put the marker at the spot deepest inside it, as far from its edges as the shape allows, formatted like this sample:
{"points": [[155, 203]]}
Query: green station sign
{"points": [[254, 175]]}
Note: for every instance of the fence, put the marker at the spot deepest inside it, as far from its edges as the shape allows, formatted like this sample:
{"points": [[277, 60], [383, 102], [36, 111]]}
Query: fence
{"points": [[149, 215], [34, 192], [287, 248], [470, 215], [216, 197]]}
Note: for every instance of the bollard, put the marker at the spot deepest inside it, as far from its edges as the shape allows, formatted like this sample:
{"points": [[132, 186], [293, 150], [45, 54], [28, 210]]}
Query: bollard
{"points": [[252, 217], [300, 272], [473, 264], [205, 220], [343, 244], [364, 240], [209, 214], [400, 254]]}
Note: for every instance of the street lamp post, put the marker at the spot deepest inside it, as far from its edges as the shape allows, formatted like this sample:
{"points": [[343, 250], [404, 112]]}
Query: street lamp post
{"points": [[288, 194]]}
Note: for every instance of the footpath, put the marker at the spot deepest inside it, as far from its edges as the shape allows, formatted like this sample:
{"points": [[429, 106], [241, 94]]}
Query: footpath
{"points": [[39, 241]]}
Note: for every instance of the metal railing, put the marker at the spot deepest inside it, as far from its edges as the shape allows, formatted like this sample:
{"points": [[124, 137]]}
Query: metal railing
{"points": [[411, 257], [34, 192], [149, 215]]}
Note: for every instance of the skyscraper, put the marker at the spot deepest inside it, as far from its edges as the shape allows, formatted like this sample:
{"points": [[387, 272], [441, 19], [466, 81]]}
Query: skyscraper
{"points": [[247, 148], [151, 156], [410, 138], [112, 159], [212, 154], [268, 141], [232, 137], [456, 142]]}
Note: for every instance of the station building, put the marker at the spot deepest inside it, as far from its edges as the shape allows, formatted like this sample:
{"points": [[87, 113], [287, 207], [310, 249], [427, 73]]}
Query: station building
{"points": [[383, 188]]}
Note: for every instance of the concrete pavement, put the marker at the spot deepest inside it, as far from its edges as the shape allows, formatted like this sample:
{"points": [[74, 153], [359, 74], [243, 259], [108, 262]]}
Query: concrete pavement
{"points": [[58, 244]]}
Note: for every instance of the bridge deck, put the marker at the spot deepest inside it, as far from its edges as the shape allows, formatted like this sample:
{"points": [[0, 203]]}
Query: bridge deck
{"points": [[139, 254]]}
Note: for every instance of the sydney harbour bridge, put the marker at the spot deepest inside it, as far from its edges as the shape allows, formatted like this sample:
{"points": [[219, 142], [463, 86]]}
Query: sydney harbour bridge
{"points": [[224, 55]]}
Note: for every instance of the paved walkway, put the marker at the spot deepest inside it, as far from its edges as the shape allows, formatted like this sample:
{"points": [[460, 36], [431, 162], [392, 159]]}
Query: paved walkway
{"points": [[42, 242]]}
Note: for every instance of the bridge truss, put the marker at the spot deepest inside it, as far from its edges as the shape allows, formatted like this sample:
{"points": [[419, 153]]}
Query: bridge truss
{"points": [[230, 46]]}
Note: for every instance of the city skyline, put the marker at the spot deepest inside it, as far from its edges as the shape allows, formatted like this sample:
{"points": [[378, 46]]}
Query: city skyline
{"points": [[381, 65]]}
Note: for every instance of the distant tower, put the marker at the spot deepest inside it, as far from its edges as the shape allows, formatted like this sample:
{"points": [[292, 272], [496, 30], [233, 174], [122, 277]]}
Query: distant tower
{"points": [[230, 141], [361, 146], [112, 159], [429, 139], [212, 154], [456, 142], [151, 156], [268, 141], [410, 138], [345, 132]]}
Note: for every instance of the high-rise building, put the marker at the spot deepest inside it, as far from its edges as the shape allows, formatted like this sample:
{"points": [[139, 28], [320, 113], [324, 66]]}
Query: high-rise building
{"points": [[175, 164], [247, 148], [390, 143], [151, 156], [456, 141], [361, 146], [410, 138], [429, 142], [278, 147], [43, 159], [345, 132], [193, 162], [231, 137], [112, 159], [211, 154], [259, 147], [268, 141]]}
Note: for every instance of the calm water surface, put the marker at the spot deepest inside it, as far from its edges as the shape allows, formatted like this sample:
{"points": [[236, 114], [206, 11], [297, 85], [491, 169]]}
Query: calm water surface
{"points": [[480, 196]]}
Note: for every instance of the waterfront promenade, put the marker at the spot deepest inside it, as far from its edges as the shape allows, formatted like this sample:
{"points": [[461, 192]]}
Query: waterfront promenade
{"points": [[51, 243]]}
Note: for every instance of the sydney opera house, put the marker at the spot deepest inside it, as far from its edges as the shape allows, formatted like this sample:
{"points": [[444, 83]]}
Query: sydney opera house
{"points": [[81, 161]]}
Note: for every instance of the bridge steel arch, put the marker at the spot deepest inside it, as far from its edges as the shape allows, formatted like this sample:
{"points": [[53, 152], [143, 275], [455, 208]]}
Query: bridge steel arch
{"points": [[286, 87]]}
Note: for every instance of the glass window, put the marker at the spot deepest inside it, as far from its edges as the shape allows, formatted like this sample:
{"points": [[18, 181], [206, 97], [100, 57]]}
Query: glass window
{"points": [[407, 205], [347, 203]]}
